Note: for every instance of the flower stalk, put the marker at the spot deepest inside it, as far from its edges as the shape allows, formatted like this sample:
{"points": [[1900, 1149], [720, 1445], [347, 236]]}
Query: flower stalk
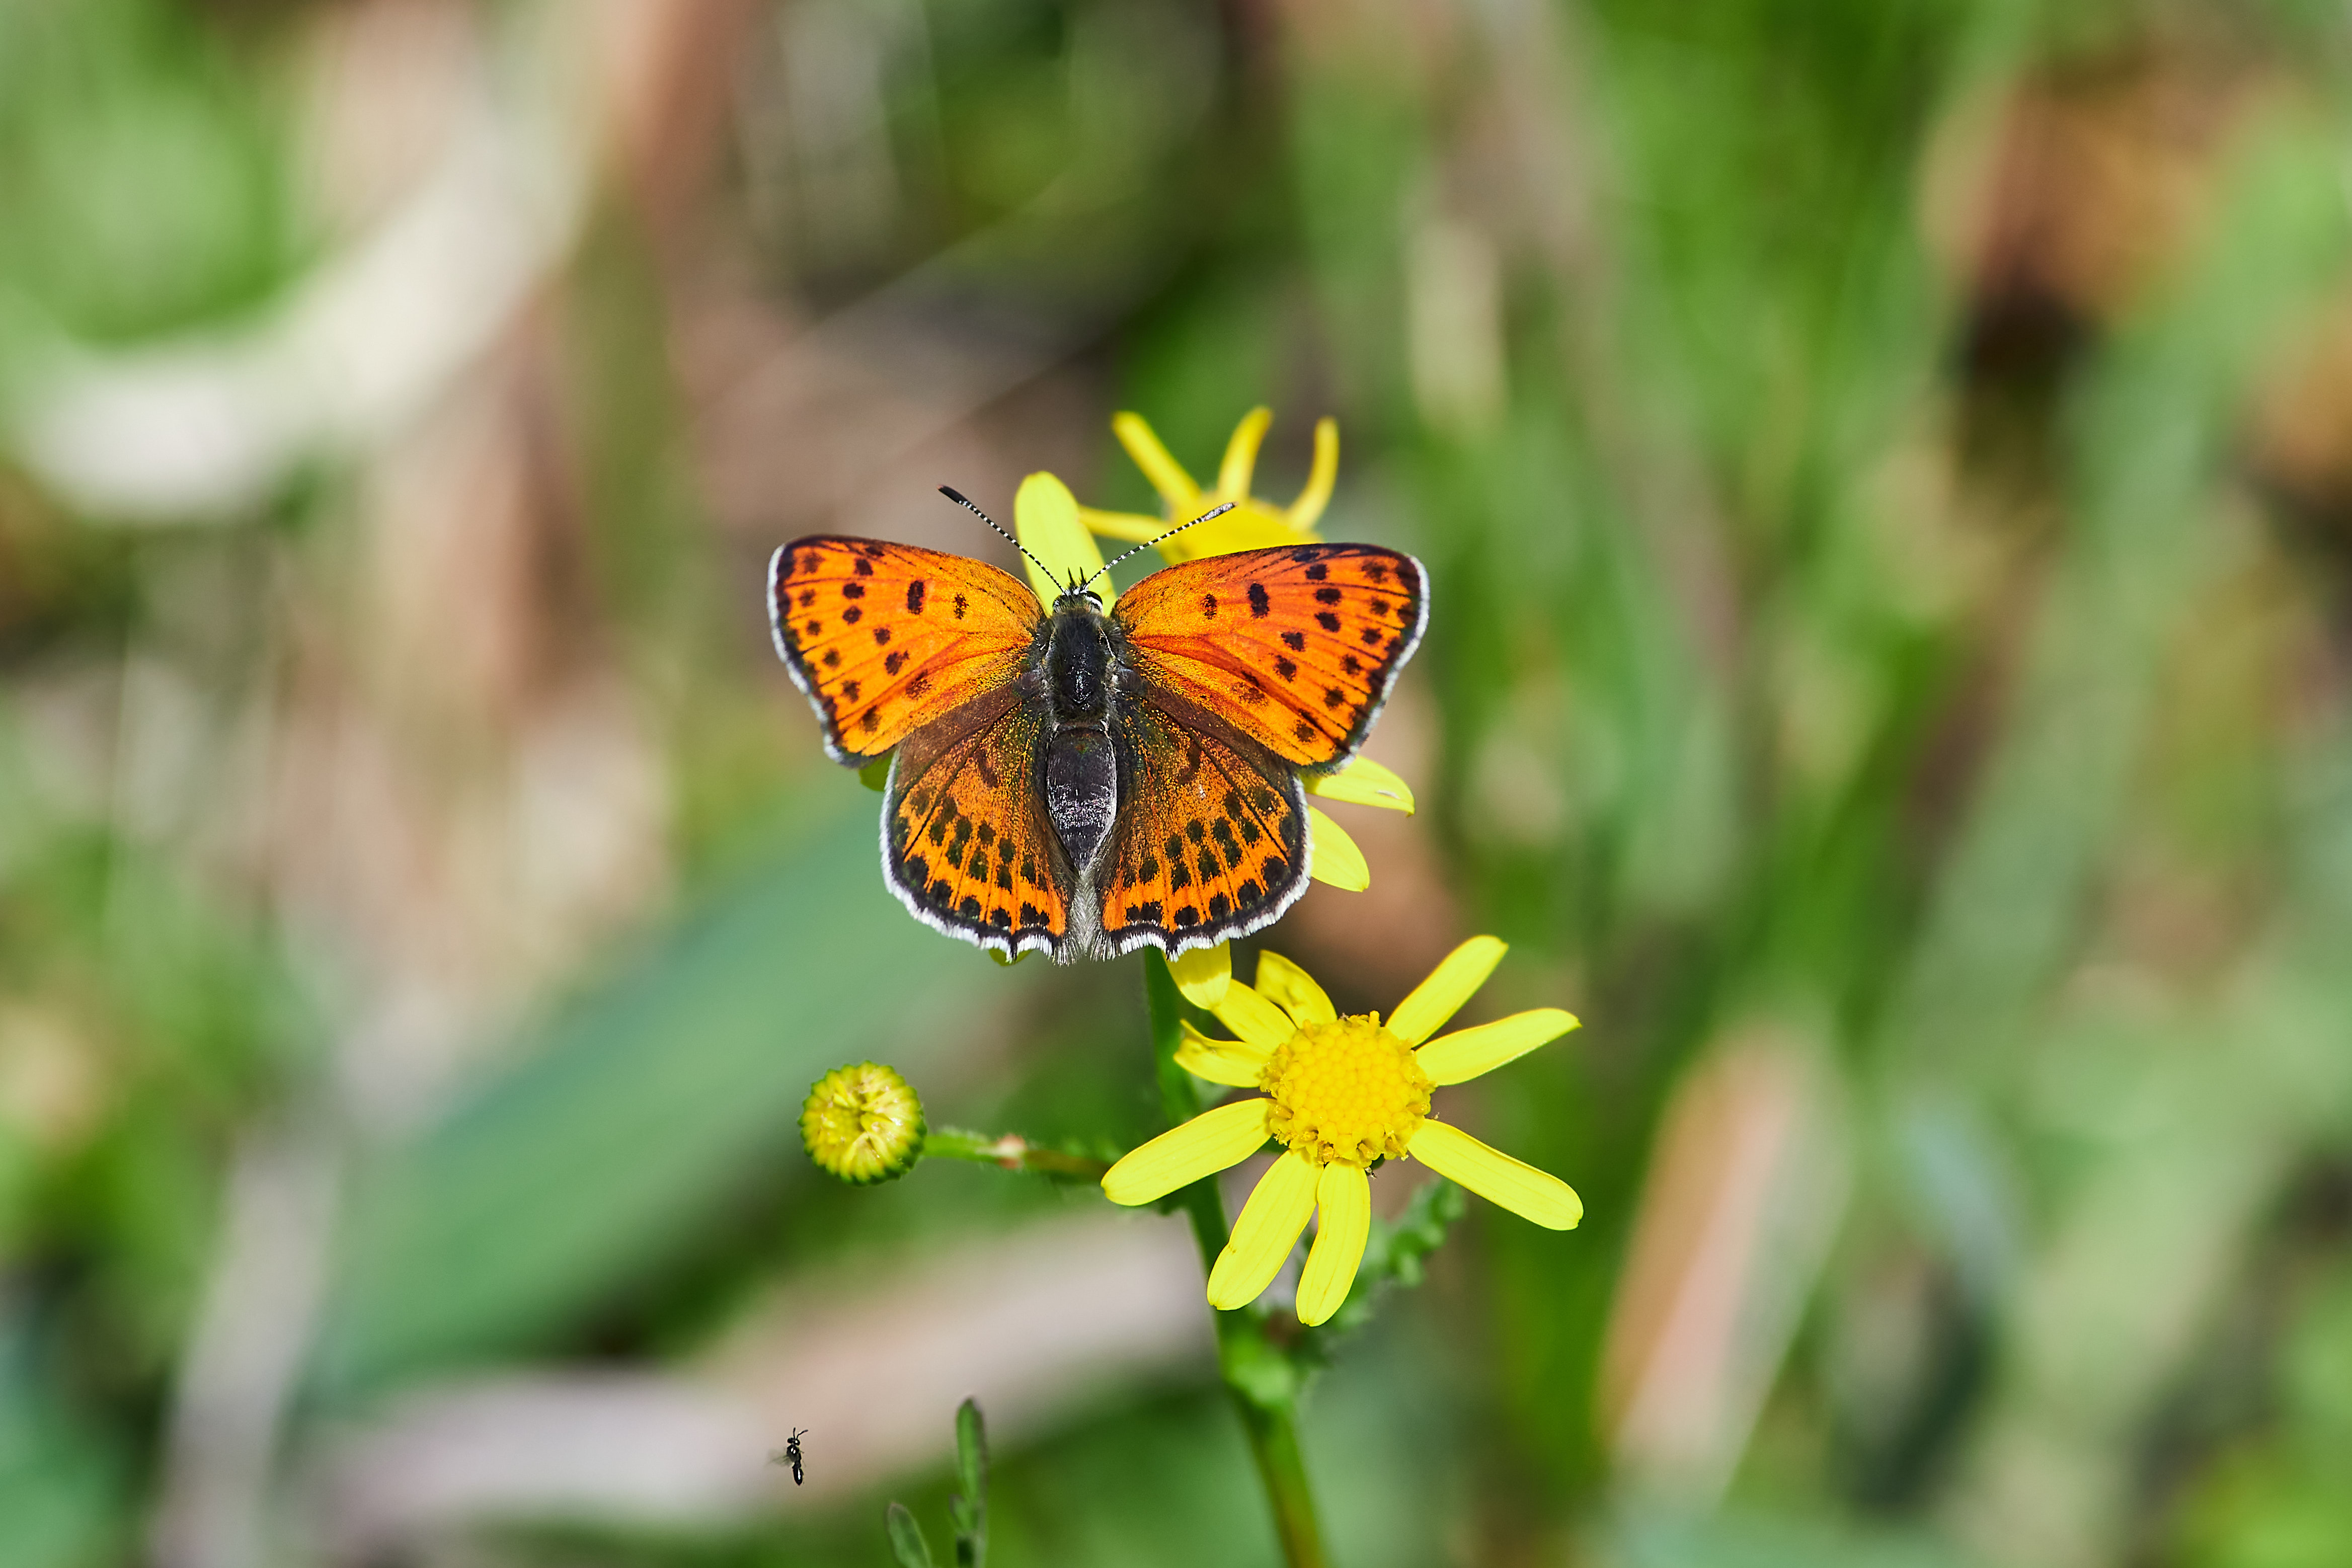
{"points": [[1011, 1153], [1259, 1376]]}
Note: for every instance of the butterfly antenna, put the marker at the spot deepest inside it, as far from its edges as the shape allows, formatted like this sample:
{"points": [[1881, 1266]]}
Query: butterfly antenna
{"points": [[1212, 511], [957, 496]]}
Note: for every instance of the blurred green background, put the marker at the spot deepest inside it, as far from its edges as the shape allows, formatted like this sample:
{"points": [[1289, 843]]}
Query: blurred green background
{"points": [[1887, 471]]}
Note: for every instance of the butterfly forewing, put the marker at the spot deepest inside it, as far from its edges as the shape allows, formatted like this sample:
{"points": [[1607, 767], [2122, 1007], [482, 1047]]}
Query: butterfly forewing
{"points": [[964, 839], [886, 638], [1295, 648], [1211, 835]]}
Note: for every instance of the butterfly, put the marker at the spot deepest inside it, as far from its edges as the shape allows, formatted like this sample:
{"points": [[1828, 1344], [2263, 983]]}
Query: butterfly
{"points": [[1085, 782]]}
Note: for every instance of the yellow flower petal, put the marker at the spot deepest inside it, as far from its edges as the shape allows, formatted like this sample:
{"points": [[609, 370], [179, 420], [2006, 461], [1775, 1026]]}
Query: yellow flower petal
{"points": [[1343, 1200], [1166, 474], [1455, 980], [1241, 454], [1265, 1234], [1204, 973], [1332, 857], [1525, 1190], [1363, 782], [1212, 1141], [1290, 988], [1235, 1062], [1045, 518], [1308, 507], [1131, 527], [1464, 1054], [1253, 1017]]}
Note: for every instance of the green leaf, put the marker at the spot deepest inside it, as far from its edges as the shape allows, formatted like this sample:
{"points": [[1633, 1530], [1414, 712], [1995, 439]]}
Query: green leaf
{"points": [[907, 1542], [969, 1508], [592, 1158]]}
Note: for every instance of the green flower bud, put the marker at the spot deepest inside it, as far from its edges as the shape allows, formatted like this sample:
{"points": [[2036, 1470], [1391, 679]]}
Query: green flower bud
{"points": [[863, 1124]]}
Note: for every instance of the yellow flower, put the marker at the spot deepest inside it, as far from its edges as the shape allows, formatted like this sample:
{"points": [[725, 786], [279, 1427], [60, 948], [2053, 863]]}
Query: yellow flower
{"points": [[1340, 1093], [1252, 524], [863, 1123]]}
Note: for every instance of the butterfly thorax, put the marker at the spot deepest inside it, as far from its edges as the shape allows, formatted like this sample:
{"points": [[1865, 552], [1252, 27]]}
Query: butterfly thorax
{"points": [[1081, 769], [1080, 656]]}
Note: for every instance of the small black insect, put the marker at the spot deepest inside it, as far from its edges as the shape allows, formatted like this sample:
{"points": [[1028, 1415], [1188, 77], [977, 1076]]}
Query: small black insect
{"points": [[792, 1455]]}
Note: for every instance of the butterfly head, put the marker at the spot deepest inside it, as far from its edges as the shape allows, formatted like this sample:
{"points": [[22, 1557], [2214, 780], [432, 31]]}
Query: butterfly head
{"points": [[1078, 589]]}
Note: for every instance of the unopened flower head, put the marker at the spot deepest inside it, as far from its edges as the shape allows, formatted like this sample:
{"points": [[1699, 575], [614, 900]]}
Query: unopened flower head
{"points": [[863, 1123], [1341, 1095]]}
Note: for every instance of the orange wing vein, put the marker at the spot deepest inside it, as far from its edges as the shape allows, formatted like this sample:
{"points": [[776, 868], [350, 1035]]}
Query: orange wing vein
{"points": [[884, 638], [965, 843], [1211, 835], [1295, 647]]}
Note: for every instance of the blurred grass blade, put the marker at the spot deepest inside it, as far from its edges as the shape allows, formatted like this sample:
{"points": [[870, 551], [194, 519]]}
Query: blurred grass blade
{"points": [[971, 1507], [907, 1542]]}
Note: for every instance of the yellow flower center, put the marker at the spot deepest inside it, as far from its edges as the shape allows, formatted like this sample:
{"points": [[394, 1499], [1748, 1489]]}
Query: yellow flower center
{"points": [[1346, 1093]]}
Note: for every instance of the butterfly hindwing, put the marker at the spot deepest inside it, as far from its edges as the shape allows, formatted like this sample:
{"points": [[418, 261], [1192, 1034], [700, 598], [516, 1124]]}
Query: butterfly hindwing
{"points": [[1295, 648], [964, 837], [1212, 837], [885, 639]]}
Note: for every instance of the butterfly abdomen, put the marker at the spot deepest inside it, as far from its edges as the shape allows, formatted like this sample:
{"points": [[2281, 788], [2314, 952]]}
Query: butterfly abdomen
{"points": [[1081, 793]]}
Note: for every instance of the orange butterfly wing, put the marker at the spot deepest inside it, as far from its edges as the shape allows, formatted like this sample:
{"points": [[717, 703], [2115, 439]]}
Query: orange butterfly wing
{"points": [[1212, 837], [1295, 647], [884, 638], [965, 842]]}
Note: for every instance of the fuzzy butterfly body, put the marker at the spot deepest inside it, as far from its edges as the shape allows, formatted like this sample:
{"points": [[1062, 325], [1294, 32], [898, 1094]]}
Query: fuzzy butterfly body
{"points": [[1081, 782]]}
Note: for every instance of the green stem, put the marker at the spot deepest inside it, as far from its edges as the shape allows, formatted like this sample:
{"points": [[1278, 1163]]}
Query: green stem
{"points": [[1012, 1152], [1259, 1376]]}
